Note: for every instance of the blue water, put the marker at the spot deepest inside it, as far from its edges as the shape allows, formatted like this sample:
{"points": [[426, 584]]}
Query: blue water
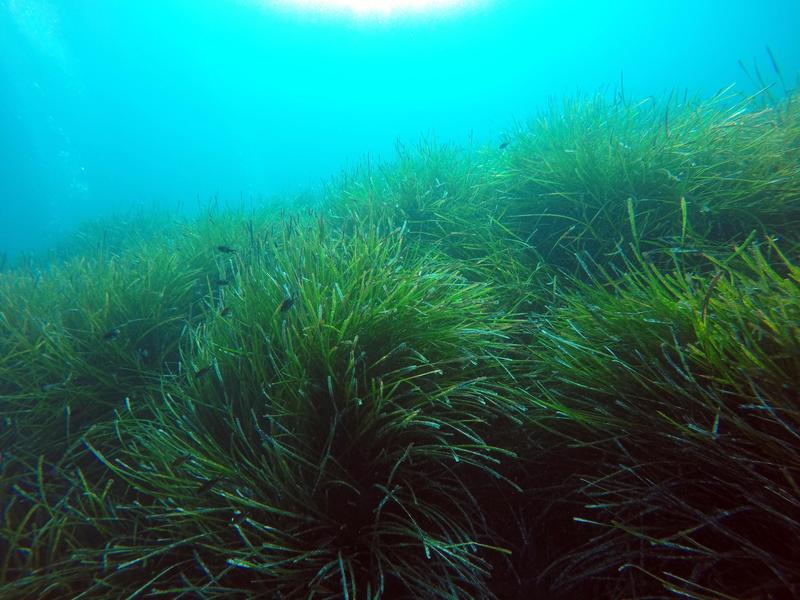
{"points": [[107, 105]]}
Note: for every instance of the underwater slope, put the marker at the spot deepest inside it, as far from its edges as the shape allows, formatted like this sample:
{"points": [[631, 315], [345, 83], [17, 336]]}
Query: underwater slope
{"points": [[563, 367]]}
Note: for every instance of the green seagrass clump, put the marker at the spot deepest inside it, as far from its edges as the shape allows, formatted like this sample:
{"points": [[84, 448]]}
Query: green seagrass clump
{"points": [[78, 338], [672, 178], [686, 383], [329, 436], [565, 366]]}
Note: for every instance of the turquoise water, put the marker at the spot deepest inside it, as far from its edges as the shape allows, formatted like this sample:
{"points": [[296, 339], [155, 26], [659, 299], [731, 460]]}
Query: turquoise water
{"points": [[106, 106]]}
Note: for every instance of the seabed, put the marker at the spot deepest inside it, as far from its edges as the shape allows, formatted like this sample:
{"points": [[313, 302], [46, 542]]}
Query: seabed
{"points": [[563, 366]]}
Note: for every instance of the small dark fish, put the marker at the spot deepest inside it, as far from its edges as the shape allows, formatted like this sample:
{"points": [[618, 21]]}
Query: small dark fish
{"points": [[223, 281], [226, 311], [207, 485], [287, 303], [111, 334], [202, 371], [226, 249], [180, 460], [503, 146]]}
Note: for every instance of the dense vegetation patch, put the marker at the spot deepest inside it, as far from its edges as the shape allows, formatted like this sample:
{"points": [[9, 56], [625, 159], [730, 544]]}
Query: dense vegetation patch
{"points": [[563, 367]]}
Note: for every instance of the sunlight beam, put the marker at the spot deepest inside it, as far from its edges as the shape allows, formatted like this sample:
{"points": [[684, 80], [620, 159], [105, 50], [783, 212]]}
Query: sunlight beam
{"points": [[377, 8]]}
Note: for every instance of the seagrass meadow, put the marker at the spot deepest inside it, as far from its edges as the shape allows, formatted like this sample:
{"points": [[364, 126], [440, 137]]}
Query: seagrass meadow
{"points": [[564, 366]]}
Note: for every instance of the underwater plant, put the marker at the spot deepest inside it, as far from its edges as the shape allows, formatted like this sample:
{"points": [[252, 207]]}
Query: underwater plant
{"points": [[687, 385], [333, 447], [433, 190], [673, 177], [79, 339], [562, 367]]}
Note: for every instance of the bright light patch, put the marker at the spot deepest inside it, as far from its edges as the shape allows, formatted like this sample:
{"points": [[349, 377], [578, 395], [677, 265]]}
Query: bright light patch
{"points": [[378, 8]]}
